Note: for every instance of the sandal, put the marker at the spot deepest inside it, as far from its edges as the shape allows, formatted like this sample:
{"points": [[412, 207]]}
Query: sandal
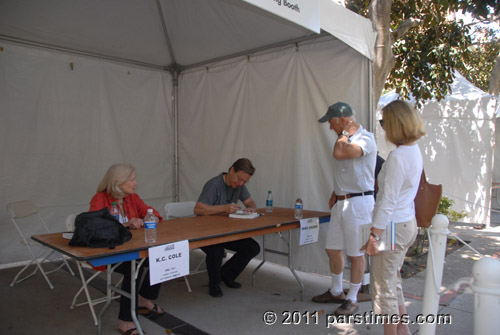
{"points": [[129, 331], [150, 312]]}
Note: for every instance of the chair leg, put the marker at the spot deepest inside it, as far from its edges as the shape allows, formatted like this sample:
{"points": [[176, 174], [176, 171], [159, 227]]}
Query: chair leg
{"points": [[67, 265], [193, 272], [87, 294], [91, 302], [37, 267], [16, 281], [187, 284], [197, 268]]}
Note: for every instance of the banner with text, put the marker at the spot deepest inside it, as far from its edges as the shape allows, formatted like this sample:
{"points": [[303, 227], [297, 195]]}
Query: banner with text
{"points": [[168, 261], [302, 12]]}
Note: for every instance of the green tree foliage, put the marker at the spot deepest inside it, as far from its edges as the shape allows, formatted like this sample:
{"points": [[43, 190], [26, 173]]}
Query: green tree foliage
{"points": [[426, 59], [483, 10], [481, 58], [444, 208], [427, 55]]}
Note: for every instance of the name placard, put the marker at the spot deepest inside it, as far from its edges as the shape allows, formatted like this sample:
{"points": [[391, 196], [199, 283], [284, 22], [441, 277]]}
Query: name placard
{"points": [[309, 230], [168, 261]]}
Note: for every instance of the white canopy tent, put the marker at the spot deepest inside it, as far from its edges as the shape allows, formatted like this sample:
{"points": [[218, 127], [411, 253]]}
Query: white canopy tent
{"points": [[178, 88], [459, 147]]}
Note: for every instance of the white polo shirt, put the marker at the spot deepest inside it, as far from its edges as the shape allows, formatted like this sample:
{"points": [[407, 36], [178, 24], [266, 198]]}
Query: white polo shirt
{"points": [[356, 175]]}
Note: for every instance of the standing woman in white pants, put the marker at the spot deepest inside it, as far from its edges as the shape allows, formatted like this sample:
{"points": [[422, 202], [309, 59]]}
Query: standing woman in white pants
{"points": [[398, 184]]}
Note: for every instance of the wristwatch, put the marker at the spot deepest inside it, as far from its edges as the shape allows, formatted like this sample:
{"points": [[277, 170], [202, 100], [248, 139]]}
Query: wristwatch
{"points": [[377, 238], [345, 133]]}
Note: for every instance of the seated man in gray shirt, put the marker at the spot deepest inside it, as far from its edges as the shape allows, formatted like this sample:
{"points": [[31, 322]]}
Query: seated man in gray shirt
{"points": [[220, 195]]}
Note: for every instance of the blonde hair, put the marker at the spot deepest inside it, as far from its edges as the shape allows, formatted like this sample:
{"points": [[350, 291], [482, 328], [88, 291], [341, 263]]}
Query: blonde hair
{"points": [[116, 175], [402, 123]]}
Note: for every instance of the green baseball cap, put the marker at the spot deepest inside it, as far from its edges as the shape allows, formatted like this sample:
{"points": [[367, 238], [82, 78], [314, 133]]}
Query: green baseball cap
{"points": [[338, 109]]}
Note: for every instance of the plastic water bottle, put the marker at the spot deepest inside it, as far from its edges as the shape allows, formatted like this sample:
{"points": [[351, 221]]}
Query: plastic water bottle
{"points": [[269, 202], [114, 211], [150, 227], [299, 208]]}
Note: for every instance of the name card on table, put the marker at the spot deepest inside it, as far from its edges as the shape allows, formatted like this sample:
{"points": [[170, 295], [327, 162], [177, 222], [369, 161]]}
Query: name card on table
{"points": [[309, 230], [168, 261]]}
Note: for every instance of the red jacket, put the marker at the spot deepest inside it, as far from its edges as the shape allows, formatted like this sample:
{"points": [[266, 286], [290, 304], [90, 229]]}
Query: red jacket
{"points": [[133, 205]]}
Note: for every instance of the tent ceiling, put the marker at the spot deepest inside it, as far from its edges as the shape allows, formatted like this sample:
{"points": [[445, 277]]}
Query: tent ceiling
{"points": [[156, 33]]}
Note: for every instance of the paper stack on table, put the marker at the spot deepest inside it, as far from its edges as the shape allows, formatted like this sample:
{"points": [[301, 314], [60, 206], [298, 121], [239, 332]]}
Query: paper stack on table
{"points": [[242, 215]]}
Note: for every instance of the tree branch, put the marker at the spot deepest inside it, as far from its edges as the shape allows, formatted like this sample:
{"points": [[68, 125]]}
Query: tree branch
{"points": [[494, 88], [404, 27]]}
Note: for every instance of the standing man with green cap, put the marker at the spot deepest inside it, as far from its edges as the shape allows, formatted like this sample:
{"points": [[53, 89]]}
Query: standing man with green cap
{"points": [[351, 203]]}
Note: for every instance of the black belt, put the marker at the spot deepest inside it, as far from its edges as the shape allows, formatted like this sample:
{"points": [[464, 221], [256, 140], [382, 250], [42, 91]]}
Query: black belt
{"points": [[352, 195]]}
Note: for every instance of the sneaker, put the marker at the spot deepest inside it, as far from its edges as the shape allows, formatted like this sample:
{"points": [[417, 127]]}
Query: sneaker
{"points": [[328, 297], [347, 308]]}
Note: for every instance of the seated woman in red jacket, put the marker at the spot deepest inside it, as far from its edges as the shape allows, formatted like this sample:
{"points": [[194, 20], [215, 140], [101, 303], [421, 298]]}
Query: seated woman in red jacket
{"points": [[118, 185]]}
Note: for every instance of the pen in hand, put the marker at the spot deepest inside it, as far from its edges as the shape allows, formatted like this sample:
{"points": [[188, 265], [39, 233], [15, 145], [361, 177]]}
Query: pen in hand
{"points": [[233, 207]]}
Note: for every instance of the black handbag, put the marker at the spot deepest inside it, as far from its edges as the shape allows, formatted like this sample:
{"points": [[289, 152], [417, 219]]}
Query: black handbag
{"points": [[99, 229]]}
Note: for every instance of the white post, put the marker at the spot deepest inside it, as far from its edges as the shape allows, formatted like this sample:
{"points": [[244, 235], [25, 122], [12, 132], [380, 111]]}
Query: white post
{"points": [[486, 288], [434, 272]]}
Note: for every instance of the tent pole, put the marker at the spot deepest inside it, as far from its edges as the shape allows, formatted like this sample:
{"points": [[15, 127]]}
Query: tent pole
{"points": [[373, 107], [175, 91], [175, 70]]}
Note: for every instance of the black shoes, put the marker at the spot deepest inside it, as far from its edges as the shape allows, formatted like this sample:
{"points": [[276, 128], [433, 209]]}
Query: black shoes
{"points": [[231, 283], [215, 291]]}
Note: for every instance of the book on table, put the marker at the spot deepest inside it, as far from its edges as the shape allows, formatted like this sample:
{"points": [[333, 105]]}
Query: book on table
{"points": [[241, 214]]}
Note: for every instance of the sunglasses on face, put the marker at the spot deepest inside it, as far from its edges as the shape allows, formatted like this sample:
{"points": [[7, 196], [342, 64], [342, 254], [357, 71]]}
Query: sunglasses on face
{"points": [[381, 123]]}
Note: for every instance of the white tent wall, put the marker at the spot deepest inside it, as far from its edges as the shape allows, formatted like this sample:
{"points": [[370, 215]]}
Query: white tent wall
{"points": [[458, 149], [72, 111], [64, 121], [266, 108]]}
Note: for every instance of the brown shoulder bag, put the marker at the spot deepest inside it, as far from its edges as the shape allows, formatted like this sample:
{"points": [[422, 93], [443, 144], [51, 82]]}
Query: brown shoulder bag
{"points": [[427, 201]]}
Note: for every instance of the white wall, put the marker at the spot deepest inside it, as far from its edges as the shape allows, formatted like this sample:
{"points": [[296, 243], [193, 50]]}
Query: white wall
{"points": [[64, 121], [61, 128], [458, 151], [266, 108]]}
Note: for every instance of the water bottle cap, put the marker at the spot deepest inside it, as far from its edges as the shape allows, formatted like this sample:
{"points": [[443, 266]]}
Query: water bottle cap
{"points": [[150, 210]]}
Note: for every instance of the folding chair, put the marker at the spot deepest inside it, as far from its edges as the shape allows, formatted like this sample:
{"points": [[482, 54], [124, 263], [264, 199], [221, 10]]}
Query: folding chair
{"points": [[70, 226], [180, 210], [20, 213]]}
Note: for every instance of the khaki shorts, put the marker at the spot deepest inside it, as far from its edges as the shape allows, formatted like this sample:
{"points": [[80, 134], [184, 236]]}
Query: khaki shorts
{"points": [[385, 277]]}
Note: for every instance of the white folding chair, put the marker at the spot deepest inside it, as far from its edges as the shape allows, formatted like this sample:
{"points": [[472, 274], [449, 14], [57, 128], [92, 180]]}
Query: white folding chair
{"points": [[22, 213], [180, 210], [70, 226]]}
